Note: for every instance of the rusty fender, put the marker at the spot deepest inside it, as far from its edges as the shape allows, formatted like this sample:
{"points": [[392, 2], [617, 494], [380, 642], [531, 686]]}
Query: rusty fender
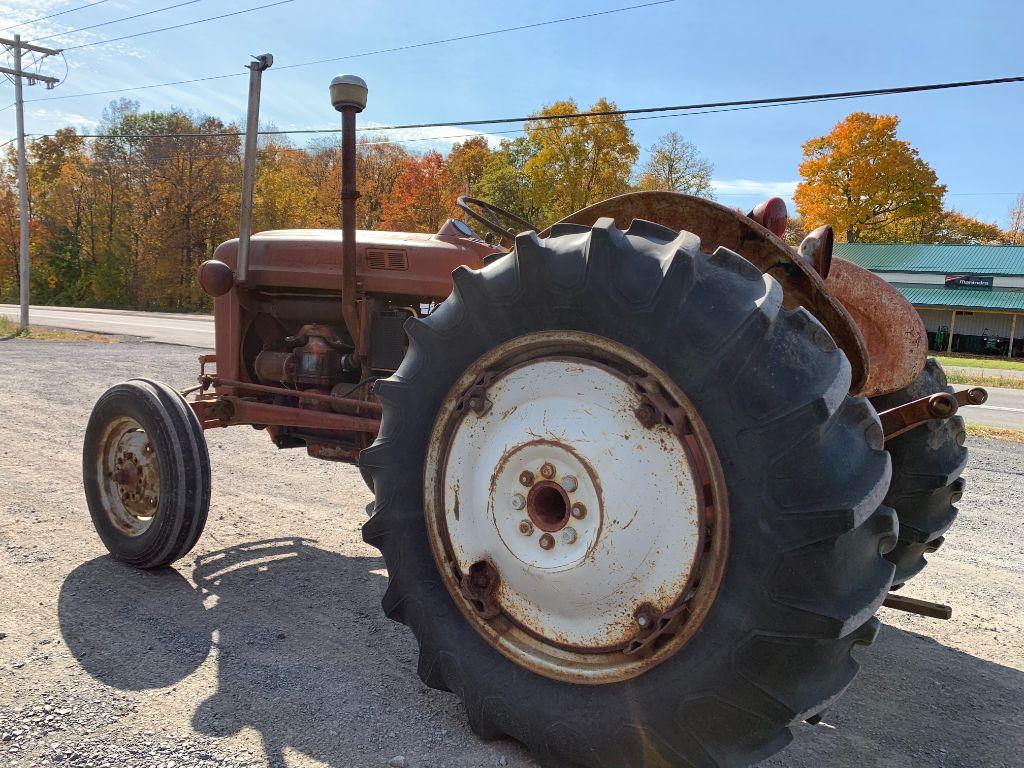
{"points": [[899, 345]]}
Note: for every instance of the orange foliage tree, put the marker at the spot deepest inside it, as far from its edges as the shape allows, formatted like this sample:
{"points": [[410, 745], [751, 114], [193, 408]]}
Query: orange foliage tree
{"points": [[864, 181], [422, 197]]}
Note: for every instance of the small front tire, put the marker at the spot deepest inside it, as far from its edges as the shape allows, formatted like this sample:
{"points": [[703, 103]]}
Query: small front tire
{"points": [[146, 472]]}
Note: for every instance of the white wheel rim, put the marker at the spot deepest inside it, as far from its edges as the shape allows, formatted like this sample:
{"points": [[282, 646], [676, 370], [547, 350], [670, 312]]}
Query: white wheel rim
{"points": [[604, 539], [129, 475]]}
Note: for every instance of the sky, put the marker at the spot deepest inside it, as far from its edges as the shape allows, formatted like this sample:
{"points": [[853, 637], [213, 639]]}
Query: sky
{"points": [[677, 52]]}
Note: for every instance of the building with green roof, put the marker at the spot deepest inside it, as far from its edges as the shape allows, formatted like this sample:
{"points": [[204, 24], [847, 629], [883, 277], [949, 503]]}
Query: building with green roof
{"points": [[971, 297]]}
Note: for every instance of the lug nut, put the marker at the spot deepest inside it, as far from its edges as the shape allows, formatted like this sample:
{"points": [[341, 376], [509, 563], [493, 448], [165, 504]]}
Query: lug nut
{"points": [[568, 535], [569, 483], [518, 501], [578, 511], [547, 541], [526, 527], [547, 470], [526, 477]]}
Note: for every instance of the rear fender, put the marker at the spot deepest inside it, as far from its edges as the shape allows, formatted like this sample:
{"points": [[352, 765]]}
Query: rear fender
{"points": [[719, 226]]}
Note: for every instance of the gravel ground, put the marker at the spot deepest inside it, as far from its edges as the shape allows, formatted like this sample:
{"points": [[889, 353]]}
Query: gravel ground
{"points": [[267, 646]]}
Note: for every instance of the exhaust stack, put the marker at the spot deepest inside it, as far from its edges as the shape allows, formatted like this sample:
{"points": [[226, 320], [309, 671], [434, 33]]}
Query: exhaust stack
{"points": [[252, 126], [348, 96]]}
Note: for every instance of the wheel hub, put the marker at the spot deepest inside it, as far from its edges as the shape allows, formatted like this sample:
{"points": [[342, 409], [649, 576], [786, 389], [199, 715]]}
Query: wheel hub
{"points": [[591, 524], [131, 486]]}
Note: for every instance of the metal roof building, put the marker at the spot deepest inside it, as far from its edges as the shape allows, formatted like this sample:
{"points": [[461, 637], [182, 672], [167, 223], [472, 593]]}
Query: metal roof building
{"points": [[971, 297]]}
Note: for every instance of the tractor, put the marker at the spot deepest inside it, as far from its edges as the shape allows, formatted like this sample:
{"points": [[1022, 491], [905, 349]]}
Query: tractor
{"points": [[642, 478]]}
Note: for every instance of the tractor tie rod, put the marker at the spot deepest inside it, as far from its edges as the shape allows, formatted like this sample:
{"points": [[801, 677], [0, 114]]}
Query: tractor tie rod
{"points": [[941, 405]]}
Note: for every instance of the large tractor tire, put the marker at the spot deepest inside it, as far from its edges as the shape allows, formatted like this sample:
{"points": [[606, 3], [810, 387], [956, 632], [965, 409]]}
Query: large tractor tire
{"points": [[626, 504], [926, 483], [146, 472]]}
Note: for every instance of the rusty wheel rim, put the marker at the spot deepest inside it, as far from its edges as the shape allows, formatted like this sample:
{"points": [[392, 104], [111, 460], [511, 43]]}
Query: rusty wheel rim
{"points": [[129, 476], [531, 525]]}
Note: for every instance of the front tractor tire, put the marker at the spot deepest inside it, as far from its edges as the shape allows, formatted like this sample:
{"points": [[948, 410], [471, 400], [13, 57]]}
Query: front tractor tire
{"points": [[732, 546], [146, 473]]}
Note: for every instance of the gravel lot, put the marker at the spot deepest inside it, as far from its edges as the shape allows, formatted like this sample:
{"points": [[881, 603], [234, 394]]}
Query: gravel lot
{"points": [[267, 646]]}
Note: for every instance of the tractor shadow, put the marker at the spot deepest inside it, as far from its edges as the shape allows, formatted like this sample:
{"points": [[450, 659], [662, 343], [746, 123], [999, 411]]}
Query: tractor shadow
{"points": [[302, 651], [305, 657]]}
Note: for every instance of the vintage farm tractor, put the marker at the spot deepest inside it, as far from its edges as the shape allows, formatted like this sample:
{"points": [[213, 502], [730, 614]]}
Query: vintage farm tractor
{"points": [[642, 478]]}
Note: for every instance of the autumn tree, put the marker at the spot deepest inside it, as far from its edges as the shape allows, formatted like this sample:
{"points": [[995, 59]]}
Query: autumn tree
{"points": [[466, 163], [576, 162], [504, 182], [946, 226], [676, 165], [864, 181], [422, 197], [1015, 226]]}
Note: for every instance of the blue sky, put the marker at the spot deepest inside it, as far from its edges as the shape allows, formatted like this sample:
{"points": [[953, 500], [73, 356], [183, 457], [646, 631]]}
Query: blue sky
{"points": [[676, 53]]}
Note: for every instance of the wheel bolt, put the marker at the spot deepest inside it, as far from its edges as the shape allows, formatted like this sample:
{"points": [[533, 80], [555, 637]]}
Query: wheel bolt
{"points": [[148, 448], [547, 541], [547, 470], [645, 616], [568, 535], [518, 501], [526, 477], [526, 527], [570, 483], [578, 511]]}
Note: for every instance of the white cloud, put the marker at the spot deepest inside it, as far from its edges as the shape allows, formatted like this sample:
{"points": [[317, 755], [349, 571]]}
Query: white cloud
{"points": [[61, 118], [736, 187], [440, 138]]}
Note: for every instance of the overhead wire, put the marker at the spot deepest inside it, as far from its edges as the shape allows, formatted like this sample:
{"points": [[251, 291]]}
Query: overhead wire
{"points": [[177, 26], [116, 21], [640, 113], [363, 54], [54, 15]]}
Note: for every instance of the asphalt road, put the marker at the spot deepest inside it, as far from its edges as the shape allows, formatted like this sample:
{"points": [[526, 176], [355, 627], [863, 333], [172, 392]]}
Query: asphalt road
{"points": [[1005, 407], [162, 327]]}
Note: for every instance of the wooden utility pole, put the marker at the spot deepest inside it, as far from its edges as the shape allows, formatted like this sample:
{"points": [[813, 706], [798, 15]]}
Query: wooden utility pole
{"points": [[16, 47]]}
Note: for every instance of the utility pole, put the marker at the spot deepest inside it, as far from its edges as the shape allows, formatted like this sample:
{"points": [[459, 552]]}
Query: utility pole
{"points": [[16, 47]]}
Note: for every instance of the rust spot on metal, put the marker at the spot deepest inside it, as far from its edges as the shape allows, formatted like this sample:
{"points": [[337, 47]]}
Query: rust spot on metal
{"points": [[455, 506], [479, 587], [548, 506], [892, 329]]}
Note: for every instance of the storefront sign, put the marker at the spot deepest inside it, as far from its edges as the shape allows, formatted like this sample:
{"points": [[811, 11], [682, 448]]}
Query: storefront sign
{"points": [[969, 281]]}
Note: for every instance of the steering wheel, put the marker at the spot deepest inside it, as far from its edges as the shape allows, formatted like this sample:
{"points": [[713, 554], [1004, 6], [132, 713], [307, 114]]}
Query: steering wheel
{"points": [[466, 203]]}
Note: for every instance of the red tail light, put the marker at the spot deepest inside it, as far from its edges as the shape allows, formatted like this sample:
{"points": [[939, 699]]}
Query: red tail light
{"points": [[772, 215]]}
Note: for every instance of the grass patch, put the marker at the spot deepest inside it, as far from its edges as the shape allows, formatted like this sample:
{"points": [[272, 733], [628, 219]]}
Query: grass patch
{"points": [[965, 361], [10, 328], [955, 377], [998, 433]]}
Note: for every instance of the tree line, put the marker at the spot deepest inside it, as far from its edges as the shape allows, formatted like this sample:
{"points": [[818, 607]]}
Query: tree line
{"points": [[124, 220]]}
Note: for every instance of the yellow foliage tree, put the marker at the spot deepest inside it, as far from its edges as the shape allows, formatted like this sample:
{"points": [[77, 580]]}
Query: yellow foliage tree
{"points": [[864, 181], [577, 162]]}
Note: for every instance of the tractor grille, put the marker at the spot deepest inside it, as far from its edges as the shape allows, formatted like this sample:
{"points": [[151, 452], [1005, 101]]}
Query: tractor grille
{"points": [[379, 258]]}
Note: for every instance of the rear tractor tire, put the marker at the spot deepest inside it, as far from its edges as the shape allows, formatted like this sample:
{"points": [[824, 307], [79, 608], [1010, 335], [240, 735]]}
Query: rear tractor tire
{"points": [[926, 483], [146, 473], [626, 504]]}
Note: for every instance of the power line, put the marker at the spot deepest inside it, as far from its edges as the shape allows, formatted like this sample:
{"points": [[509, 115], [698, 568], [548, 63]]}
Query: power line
{"points": [[177, 26], [59, 13], [370, 53], [117, 21], [489, 33], [647, 112]]}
